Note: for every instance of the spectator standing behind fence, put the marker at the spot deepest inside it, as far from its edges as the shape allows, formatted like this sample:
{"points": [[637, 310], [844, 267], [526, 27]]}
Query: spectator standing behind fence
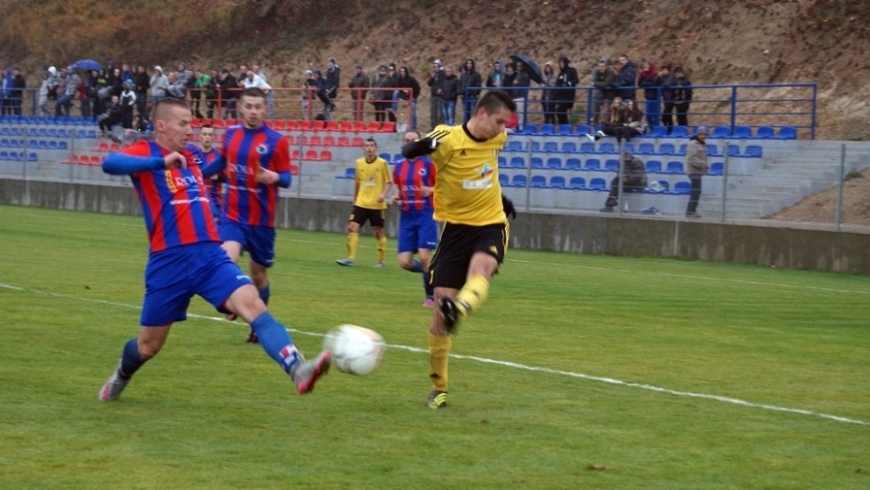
{"points": [[633, 180], [333, 80], [141, 82], [648, 80], [567, 82], [436, 113], [228, 92], [393, 76], [43, 94], [6, 93], [110, 117], [665, 82], [547, 95], [450, 89], [158, 84], [603, 78], [496, 77], [696, 168], [70, 86], [626, 79], [381, 96], [128, 102], [17, 92], [253, 81], [84, 95], [521, 83], [469, 77], [682, 88], [407, 81], [358, 84], [200, 82]]}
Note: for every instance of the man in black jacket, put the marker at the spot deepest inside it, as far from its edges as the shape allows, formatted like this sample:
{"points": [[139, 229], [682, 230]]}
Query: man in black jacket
{"points": [[633, 180], [564, 96], [469, 77]]}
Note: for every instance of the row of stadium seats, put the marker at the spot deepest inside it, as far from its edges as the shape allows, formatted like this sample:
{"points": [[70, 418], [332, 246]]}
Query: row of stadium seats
{"points": [[317, 125], [739, 132], [595, 164], [16, 156], [713, 150], [581, 184], [43, 132], [96, 160], [33, 143]]}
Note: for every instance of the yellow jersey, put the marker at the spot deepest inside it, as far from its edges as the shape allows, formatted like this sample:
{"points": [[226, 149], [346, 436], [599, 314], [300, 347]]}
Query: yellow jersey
{"points": [[467, 190], [371, 179]]}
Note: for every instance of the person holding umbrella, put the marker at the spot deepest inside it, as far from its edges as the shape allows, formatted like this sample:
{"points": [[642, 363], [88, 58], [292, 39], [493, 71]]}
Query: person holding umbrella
{"points": [[526, 72]]}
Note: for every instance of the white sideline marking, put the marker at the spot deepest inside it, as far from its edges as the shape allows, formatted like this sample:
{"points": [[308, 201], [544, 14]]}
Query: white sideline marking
{"points": [[515, 365]]}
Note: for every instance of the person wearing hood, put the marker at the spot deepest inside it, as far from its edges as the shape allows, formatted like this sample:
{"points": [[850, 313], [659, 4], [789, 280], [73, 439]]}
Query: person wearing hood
{"points": [[53, 82], [159, 84], [382, 98], [436, 76], [407, 81], [128, 103], [648, 80], [358, 85], [43, 94], [567, 82], [469, 78]]}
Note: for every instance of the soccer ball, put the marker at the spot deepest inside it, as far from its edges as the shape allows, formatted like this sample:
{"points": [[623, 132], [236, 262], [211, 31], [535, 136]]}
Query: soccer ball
{"points": [[355, 350]]}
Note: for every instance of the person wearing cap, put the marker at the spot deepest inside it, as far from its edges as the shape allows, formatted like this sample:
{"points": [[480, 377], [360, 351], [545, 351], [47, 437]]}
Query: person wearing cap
{"points": [[436, 77], [633, 180], [409, 83], [159, 83], [696, 168], [358, 85]]}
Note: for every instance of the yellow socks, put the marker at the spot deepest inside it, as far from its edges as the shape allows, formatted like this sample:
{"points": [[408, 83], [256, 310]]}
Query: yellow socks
{"points": [[472, 295], [352, 242], [439, 349], [382, 248]]}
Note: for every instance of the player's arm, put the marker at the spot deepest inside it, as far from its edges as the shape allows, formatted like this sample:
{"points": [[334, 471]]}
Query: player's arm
{"points": [[121, 164], [280, 176], [216, 166], [425, 145]]}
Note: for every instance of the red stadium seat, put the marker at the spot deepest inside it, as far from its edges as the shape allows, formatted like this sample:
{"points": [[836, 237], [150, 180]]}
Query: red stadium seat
{"points": [[310, 155], [345, 126], [292, 124], [325, 156]]}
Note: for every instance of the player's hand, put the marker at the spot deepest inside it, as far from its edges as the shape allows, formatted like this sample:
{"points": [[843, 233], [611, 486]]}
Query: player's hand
{"points": [[265, 176], [431, 143], [508, 206], [174, 160], [394, 200]]}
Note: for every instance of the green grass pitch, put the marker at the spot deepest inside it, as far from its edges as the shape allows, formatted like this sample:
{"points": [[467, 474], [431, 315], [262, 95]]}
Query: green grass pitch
{"points": [[590, 372]]}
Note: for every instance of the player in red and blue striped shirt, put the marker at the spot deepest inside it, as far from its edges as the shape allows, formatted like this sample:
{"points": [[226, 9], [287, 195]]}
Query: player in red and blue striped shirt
{"points": [[185, 254], [209, 155], [418, 232], [255, 162]]}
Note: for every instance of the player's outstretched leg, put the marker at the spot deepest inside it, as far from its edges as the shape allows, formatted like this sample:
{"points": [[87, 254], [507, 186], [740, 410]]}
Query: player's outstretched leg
{"points": [[130, 362], [277, 343]]}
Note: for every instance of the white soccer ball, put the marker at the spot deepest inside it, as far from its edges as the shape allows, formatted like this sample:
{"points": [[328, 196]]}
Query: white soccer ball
{"points": [[355, 350]]}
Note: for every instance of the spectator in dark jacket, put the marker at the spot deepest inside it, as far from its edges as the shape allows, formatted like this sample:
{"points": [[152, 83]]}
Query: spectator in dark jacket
{"points": [[633, 180], [436, 113], [407, 81], [381, 95], [603, 78], [626, 79], [450, 89], [16, 94], [567, 82], [333, 79], [358, 85], [682, 88], [469, 77], [648, 80]]}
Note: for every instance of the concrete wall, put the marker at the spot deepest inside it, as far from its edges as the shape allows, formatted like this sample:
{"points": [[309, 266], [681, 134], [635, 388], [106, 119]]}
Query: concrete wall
{"points": [[589, 234]]}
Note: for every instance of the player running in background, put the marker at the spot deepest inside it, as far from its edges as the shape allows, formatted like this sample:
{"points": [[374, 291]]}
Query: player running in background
{"points": [[369, 202], [414, 179], [215, 183], [185, 255], [255, 160], [468, 200]]}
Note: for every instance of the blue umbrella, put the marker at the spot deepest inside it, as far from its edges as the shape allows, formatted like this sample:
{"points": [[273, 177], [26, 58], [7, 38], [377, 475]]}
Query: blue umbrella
{"points": [[87, 65], [534, 71]]}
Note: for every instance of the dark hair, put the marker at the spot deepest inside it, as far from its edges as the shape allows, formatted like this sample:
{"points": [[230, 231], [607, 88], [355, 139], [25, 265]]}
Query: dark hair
{"points": [[372, 140], [207, 126], [253, 92], [494, 100], [159, 112]]}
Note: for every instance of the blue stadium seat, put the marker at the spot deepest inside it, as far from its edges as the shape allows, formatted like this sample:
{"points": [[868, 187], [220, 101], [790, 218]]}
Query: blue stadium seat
{"points": [[717, 168], [32, 157], [653, 166], [578, 183], [547, 129], [682, 188], [565, 130], [61, 145], [611, 165], [742, 132], [608, 148], [556, 182], [551, 147], [720, 132], [385, 156], [569, 147], [666, 149], [4, 142], [535, 146], [52, 145], [658, 132], [4, 155], [582, 129], [629, 147], [587, 148], [502, 162], [598, 183], [519, 180], [674, 167], [764, 133], [733, 150], [679, 132], [554, 163], [683, 148], [538, 181], [349, 173], [713, 150], [753, 151], [573, 164], [503, 180], [537, 162], [514, 146], [529, 128], [786, 133], [592, 164], [645, 149], [517, 162]]}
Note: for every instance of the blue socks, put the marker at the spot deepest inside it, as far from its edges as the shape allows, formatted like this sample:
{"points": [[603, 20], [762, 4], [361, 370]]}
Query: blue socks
{"points": [[276, 341], [417, 266], [265, 293], [130, 359], [430, 291]]}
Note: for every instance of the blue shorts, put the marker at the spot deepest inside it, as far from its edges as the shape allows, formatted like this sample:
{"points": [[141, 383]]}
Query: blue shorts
{"points": [[174, 275], [259, 241], [416, 231]]}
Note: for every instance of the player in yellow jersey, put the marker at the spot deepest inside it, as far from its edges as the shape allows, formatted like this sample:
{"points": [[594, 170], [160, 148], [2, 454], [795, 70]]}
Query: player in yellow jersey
{"points": [[469, 201], [373, 182]]}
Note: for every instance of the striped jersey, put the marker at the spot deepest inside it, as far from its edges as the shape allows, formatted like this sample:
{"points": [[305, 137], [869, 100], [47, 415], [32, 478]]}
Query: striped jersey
{"points": [[174, 202], [246, 151], [215, 186], [410, 176]]}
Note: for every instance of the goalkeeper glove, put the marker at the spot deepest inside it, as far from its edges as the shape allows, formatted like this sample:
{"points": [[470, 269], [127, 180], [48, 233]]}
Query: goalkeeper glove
{"points": [[508, 206]]}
